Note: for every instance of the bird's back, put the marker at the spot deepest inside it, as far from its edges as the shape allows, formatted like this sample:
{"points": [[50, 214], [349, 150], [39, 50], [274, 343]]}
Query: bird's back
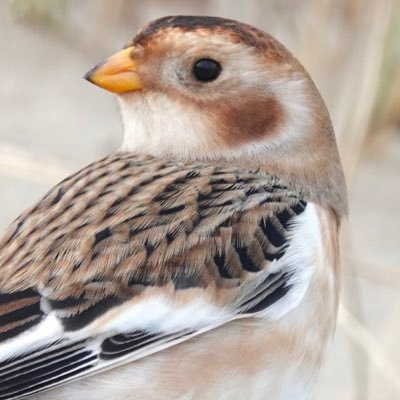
{"points": [[240, 270]]}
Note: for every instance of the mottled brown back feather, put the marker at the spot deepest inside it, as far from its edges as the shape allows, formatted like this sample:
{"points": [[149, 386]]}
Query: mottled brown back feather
{"points": [[132, 222]]}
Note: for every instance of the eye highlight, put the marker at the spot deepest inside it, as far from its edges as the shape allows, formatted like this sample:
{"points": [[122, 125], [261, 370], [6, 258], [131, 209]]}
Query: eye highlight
{"points": [[206, 70]]}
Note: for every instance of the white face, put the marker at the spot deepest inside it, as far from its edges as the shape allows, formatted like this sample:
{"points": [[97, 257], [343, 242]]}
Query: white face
{"points": [[253, 104]]}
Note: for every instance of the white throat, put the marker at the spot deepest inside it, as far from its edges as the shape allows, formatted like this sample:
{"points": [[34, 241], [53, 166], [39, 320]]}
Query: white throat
{"points": [[154, 124]]}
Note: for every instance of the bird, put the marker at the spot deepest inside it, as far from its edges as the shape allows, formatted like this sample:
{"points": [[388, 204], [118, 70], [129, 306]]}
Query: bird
{"points": [[201, 259]]}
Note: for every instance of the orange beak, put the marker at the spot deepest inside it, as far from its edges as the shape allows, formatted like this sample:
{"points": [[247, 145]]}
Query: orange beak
{"points": [[118, 74]]}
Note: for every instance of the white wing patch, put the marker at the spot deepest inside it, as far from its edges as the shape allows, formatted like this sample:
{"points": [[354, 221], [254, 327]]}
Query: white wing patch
{"points": [[46, 332], [298, 260], [160, 315]]}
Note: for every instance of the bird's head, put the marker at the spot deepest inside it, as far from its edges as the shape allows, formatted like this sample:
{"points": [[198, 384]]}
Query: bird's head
{"points": [[207, 88]]}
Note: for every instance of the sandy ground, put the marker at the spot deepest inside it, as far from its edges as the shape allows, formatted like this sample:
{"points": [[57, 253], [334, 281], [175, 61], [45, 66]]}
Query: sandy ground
{"points": [[53, 122]]}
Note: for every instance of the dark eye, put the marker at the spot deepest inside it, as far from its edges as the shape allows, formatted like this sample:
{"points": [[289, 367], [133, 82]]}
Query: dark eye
{"points": [[206, 70]]}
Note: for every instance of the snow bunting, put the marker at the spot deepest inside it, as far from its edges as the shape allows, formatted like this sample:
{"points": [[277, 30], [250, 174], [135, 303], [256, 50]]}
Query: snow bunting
{"points": [[201, 260]]}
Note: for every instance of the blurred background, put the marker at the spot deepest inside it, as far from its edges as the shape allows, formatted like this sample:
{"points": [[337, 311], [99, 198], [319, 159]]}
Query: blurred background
{"points": [[52, 122]]}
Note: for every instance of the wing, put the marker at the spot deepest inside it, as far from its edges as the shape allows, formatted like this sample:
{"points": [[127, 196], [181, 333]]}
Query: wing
{"points": [[134, 254]]}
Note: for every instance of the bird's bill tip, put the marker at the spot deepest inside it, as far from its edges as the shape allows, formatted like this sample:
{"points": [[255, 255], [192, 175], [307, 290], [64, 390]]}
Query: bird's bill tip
{"points": [[118, 74]]}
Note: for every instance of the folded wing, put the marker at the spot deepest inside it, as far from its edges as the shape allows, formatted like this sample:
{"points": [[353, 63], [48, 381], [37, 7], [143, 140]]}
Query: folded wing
{"points": [[133, 255]]}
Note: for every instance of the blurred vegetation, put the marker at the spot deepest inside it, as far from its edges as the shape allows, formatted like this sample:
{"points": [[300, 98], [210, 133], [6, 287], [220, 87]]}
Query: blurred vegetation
{"points": [[387, 110], [43, 11]]}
